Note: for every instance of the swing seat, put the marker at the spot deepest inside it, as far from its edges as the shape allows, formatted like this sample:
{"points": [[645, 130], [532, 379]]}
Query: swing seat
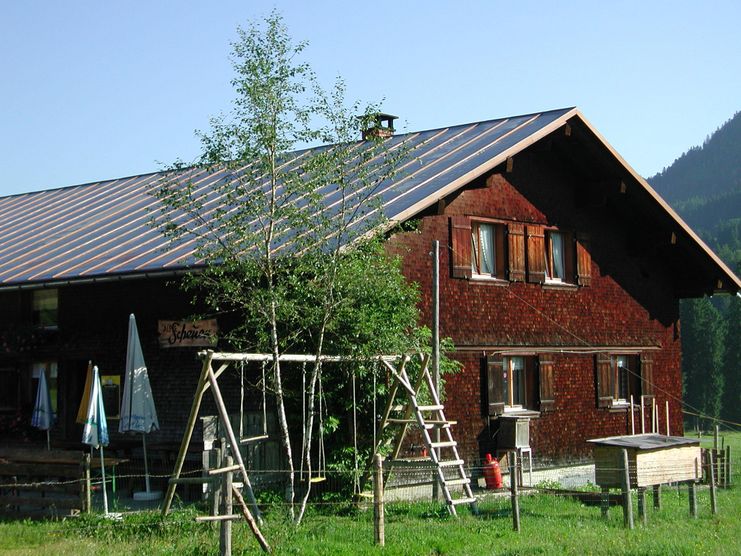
{"points": [[253, 439], [319, 479]]}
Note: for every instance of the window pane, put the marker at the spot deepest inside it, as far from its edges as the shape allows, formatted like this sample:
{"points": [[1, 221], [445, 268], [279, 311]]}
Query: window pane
{"points": [[517, 366], [45, 306], [623, 377], [486, 233], [482, 247], [557, 254]]}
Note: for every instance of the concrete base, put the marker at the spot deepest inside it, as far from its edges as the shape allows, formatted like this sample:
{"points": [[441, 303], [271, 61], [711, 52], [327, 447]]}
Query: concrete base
{"points": [[152, 495]]}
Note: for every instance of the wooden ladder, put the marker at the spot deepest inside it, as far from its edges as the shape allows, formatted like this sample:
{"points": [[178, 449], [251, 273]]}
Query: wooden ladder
{"points": [[443, 454]]}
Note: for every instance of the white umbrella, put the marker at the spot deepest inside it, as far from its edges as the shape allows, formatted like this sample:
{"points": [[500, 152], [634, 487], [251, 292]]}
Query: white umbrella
{"points": [[95, 431], [43, 415], [138, 413]]}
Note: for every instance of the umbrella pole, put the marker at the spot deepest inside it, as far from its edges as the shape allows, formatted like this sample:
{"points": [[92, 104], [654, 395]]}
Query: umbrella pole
{"points": [[102, 471], [48, 442], [146, 466]]}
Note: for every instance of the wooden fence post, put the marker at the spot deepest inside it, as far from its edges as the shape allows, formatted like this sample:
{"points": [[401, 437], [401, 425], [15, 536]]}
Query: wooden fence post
{"points": [[225, 530], [711, 466], [88, 485], [728, 465], [657, 497], [693, 498], [378, 510], [627, 499], [605, 502], [642, 505], [513, 491]]}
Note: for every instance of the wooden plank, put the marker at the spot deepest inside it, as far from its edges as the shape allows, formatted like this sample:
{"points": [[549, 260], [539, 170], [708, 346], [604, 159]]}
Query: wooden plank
{"points": [[71, 457], [43, 470]]}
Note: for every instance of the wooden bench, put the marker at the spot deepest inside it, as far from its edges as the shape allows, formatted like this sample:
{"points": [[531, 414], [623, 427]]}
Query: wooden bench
{"points": [[34, 480]]}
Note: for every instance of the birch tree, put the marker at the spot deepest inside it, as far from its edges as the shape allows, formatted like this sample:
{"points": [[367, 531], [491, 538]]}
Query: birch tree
{"points": [[280, 235]]}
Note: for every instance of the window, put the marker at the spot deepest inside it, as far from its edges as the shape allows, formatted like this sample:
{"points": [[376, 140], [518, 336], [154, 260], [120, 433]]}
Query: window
{"points": [[558, 257], [622, 376], [517, 252], [519, 383], [50, 368], [487, 250], [45, 309]]}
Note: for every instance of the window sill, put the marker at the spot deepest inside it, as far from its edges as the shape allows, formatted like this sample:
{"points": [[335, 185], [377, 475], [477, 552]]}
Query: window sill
{"points": [[531, 413], [559, 286], [619, 407], [483, 279]]}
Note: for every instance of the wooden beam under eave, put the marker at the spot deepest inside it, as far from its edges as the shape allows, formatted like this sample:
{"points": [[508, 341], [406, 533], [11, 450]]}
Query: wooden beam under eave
{"points": [[510, 164], [567, 129]]}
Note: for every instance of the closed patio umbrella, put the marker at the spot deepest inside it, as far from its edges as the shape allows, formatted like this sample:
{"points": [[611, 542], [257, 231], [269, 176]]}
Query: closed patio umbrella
{"points": [[43, 415], [82, 410], [138, 413], [95, 431]]}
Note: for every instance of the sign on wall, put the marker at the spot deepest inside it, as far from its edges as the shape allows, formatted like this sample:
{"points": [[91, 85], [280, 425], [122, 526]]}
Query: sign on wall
{"points": [[180, 333]]}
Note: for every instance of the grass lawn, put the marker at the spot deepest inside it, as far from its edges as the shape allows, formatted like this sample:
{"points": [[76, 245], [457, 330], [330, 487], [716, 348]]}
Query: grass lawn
{"points": [[550, 525]]}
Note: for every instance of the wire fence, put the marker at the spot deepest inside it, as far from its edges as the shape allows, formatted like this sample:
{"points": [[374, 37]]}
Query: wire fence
{"points": [[407, 481]]}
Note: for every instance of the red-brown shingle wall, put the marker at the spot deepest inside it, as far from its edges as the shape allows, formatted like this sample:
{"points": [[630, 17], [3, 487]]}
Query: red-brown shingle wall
{"points": [[630, 303]]}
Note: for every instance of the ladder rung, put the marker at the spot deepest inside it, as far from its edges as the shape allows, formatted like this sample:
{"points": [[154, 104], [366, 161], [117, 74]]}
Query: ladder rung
{"points": [[458, 501], [454, 482], [430, 407], [451, 463], [402, 421], [445, 444], [224, 470]]}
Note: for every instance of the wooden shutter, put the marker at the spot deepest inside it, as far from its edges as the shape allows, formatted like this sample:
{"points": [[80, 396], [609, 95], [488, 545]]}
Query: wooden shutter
{"points": [[501, 264], [460, 246], [583, 260], [604, 382], [516, 243], [546, 379], [497, 390], [535, 254], [569, 256], [647, 375]]}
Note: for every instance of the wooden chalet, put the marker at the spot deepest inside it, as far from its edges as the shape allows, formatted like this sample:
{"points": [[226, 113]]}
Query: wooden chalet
{"points": [[562, 272]]}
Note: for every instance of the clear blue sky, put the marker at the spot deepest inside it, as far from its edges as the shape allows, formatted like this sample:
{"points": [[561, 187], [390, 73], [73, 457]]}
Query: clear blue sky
{"points": [[93, 90]]}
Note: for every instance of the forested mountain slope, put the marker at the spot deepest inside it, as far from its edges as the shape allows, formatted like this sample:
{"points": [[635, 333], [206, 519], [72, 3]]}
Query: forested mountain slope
{"points": [[704, 186]]}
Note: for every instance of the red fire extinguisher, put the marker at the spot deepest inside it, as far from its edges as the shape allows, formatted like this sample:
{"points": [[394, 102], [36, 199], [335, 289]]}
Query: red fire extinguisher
{"points": [[492, 473]]}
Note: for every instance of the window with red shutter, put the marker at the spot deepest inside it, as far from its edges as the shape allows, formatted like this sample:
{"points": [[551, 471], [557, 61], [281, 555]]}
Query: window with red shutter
{"points": [[460, 246], [545, 382], [583, 260], [516, 243], [535, 254]]}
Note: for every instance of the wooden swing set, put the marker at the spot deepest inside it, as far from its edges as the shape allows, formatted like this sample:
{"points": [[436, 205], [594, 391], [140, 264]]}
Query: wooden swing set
{"points": [[412, 412]]}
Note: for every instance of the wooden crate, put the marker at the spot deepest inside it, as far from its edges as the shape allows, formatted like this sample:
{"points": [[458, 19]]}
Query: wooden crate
{"points": [[652, 460]]}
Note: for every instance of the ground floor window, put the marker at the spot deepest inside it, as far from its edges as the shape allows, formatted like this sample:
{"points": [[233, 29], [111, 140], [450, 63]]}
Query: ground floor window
{"points": [[622, 377], [519, 383]]}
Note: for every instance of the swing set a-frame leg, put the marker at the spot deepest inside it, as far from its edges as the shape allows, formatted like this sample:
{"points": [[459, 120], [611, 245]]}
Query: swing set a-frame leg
{"points": [[194, 408]]}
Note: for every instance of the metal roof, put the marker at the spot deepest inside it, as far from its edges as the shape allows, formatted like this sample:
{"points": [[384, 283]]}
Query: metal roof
{"points": [[648, 441], [101, 230]]}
